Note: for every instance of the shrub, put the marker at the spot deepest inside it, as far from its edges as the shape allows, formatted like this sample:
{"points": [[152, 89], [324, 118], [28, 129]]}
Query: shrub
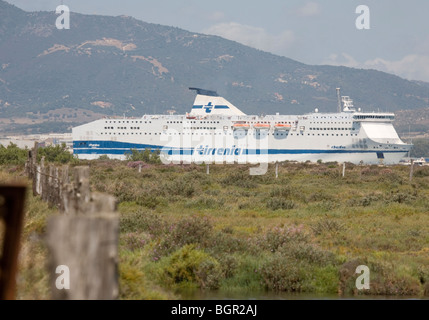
{"points": [[384, 280], [205, 203], [239, 179], [282, 192], [193, 230], [179, 187], [191, 265], [12, 155], [327, 225], [280, 203], [302, 251], [136, 240], [58, 153], [277, 237], [189, 230], [103, 157], [281, 273], [421, 172], [224, 242], [147, 156], [143, 221]]}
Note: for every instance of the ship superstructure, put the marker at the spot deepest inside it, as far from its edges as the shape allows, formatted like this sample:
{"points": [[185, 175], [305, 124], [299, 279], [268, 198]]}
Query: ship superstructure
{"points": [[217, 131]]}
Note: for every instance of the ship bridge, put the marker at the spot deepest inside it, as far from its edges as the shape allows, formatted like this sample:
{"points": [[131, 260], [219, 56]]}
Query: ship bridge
{"points": [[373, 117]]}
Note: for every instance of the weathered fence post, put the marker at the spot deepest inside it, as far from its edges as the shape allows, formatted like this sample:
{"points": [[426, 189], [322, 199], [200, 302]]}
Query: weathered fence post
{"points": [[12, 212], [85, 238], [88, 247], [33, 165]]}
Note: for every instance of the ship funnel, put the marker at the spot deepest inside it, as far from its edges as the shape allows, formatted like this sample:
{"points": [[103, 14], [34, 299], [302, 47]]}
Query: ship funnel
{"points": [[208, 102]]}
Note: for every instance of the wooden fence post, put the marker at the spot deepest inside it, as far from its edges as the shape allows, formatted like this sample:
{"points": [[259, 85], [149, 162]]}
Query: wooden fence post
{"points": [[12, 199], [84, 239], [33, 165], [88, 247]]}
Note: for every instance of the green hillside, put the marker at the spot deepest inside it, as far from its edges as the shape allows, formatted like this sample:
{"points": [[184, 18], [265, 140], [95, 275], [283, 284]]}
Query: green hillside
{"points": [[52, 79]]}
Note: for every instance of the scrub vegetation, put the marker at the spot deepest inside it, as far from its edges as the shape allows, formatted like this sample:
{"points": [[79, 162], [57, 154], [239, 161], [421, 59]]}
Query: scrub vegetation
{"points": [[183, 231]]}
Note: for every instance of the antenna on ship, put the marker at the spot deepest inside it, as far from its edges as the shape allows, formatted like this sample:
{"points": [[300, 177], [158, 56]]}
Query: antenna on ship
{"points": [[339, 100]]}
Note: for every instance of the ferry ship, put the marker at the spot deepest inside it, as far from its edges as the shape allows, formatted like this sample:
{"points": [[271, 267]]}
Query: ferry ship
{"points": [[215, 131]]}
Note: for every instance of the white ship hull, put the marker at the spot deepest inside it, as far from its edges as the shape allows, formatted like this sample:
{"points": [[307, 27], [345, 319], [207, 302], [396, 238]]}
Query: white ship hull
{"points": [[217, 132]]}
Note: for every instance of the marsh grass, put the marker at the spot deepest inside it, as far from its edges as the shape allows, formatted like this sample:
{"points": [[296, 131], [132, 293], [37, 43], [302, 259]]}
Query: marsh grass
{"points": [[306, 231], [297, 233]]}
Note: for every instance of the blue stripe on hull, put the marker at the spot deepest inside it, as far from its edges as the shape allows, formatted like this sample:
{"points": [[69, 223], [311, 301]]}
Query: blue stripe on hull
{"points": [[121, 148]]}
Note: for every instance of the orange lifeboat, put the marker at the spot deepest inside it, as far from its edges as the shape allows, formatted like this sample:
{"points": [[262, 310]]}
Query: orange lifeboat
{"points": [[241, 126], [261, 126], [282, 126]]}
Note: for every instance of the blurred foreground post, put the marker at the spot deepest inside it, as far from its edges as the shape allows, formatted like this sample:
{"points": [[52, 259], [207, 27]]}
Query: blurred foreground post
{"points": [[12, 213], [83, 240]]}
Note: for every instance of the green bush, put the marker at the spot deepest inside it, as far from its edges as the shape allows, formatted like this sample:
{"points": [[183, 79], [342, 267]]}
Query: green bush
{"points": [[190, 230], [281, 192], [146, 156], [136, 240], [190, 265], [279, 236], [205, 203], [239, 179], [282, 273], [302, 251], [280, 203], [12, 155], [58, 154], [142, 221]]}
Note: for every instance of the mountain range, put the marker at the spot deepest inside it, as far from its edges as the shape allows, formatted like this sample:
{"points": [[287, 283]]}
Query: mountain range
{"points": [[52, 80]]}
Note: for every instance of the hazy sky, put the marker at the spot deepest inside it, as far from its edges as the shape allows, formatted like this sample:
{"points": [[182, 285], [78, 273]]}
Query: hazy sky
{"points": [[312, 32]]}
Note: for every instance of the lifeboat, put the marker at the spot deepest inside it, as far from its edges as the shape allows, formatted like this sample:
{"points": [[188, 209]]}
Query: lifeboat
{"points": [[282, 126], [241, 126], [261, 126]]}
